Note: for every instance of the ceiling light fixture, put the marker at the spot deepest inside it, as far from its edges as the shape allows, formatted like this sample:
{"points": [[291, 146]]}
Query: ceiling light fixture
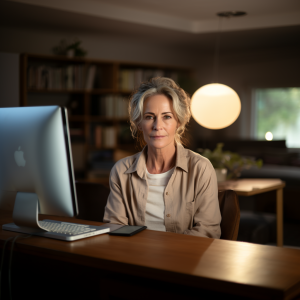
{"points": [[215, 105]]}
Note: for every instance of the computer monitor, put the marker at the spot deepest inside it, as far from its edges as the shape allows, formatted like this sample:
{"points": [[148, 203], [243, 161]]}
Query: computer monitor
{"points": [[36, 164]]}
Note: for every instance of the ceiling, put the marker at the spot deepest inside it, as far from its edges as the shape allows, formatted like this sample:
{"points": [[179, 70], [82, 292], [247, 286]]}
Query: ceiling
{"points": [[184, 23]]}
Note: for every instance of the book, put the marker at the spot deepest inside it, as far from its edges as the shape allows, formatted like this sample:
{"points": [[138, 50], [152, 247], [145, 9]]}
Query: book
{"points": [[90, 77], [69, 78], [98, 136], [31, 82], [138, 77], [109, 137], [110, 106]]}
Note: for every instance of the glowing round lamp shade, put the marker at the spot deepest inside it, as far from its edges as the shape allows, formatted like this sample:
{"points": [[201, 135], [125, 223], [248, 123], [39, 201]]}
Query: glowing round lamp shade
{"points": [[215, 106], [269, 136]]}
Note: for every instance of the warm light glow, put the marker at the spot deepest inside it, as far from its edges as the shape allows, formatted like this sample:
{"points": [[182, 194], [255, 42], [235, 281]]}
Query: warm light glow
{"points": [[215, 106], [269, 136]]}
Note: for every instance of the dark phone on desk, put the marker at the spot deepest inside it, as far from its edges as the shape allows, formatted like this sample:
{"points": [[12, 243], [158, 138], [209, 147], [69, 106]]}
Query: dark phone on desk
{"points": [[128, 230]]}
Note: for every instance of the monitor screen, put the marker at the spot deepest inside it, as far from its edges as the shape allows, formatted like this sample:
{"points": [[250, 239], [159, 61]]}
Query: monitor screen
{"points": [[36, 159]]}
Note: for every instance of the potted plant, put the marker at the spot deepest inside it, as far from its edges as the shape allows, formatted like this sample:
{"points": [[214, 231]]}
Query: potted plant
{"points": [[228, 165], [73, 49]]}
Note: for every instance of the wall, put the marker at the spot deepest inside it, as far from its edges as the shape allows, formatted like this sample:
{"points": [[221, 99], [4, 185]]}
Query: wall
{"points": [[245, 71], [9, 79], [99, 45]]}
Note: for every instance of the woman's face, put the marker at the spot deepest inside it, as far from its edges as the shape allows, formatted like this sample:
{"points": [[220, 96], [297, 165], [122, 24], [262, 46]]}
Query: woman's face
{"points": [[159, 123]]}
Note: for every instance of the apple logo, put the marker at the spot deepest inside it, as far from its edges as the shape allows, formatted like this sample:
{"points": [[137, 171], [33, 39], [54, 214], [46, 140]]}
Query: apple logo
{"points": [[19, 158]]}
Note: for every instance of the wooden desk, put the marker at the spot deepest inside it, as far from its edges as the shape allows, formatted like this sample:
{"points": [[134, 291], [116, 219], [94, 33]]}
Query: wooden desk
{"points": [[150, 265], [250, 187]]}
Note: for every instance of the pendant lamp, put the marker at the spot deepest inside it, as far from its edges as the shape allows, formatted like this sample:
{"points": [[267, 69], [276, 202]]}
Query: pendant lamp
{"points": [[216, 105]]}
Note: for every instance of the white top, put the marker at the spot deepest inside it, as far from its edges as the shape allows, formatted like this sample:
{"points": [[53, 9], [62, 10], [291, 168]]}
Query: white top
{"points": [[155, 207]]}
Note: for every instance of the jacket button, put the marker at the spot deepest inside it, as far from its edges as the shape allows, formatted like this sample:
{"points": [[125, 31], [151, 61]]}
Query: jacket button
{"points": [[167, 193], [168, 215]]}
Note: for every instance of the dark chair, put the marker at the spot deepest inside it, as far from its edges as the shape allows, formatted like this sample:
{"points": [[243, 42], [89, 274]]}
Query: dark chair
{"points": [[230, 211], [91, 198]]}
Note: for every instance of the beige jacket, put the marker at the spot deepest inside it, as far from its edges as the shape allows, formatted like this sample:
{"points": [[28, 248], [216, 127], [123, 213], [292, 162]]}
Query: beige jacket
{"points": [[191, 195]]}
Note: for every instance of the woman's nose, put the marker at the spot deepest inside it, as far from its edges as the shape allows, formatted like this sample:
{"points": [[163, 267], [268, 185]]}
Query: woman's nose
{"points": [[157, 125]]}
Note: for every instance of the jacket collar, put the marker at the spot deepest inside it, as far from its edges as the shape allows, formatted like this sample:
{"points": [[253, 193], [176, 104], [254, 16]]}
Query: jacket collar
{"points": [[139, 165], [181, 158]]}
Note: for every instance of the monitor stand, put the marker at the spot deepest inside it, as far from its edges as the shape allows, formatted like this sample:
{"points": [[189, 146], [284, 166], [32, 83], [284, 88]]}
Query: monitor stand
{"points": [[25, 214]]}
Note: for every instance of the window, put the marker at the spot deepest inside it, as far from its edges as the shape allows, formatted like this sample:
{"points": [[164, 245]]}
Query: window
{"points": [[277, 110]]}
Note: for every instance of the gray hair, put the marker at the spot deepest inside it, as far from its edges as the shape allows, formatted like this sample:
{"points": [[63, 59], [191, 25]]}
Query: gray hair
{"points": [[159, 86]]}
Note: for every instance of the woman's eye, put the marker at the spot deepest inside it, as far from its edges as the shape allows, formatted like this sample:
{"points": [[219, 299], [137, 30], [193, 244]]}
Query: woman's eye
{"points": [[167, 117], [149, 117]]}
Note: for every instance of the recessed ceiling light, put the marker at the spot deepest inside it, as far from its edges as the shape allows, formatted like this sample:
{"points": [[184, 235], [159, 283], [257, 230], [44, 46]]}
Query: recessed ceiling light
{"points": [[233, 13]]}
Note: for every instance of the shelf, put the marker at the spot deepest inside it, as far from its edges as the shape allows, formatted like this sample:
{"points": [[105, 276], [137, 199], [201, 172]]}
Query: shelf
{"points": [[128, 92], [95, 119], [102, 91], [113, 80], [120, 64], [66, 59], [79, 91], [77, 118], [55, 58], [75, 91], [77, 142], [127, 147], [49, 91], [94, 148], [107, 119], [120, 146]]}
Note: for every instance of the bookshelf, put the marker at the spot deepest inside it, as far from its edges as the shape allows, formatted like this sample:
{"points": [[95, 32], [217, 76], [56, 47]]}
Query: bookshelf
{"points": [[96, 94]]}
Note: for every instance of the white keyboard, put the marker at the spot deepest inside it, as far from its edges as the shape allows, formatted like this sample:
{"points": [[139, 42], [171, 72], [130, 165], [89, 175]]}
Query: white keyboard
{"points": [[61, 230], [66, 228]]}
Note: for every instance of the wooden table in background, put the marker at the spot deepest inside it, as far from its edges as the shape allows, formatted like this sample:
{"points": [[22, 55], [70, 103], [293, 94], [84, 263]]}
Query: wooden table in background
{"points": [[150, 265], [250, 187]]}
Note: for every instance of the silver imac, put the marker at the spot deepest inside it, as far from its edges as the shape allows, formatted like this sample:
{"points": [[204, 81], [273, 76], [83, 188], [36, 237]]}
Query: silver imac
{"points": [[36, 165]]}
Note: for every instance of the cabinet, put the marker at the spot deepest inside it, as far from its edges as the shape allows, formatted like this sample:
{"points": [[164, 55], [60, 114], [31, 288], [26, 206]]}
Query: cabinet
{"points": [[96, 94]]}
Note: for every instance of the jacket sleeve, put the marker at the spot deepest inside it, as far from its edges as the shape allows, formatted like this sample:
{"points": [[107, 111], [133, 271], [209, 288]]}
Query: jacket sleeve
{"points": [[207, 216], [115, 209]]}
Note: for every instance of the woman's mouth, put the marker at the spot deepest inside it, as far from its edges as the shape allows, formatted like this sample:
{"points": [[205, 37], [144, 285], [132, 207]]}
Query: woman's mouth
{"points": [[157, 136]]}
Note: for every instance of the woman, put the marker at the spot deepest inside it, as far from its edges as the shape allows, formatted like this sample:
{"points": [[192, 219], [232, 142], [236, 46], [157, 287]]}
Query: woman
{"points": [[165, 187]]}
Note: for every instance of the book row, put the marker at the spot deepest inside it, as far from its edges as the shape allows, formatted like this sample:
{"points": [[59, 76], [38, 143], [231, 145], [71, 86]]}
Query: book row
{"points": [[88, 77], [69, 77], [112, 106], [110, 136], [47, 77], [105, 137]]}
